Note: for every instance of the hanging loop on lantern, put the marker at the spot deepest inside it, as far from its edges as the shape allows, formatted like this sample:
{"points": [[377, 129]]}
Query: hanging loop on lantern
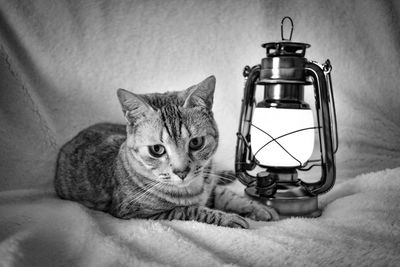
{"points": [[291, 29], [327, 67]]}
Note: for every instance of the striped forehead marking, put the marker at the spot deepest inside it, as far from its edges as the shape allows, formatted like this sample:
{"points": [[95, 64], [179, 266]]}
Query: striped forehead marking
{"points": [[172, 119]]}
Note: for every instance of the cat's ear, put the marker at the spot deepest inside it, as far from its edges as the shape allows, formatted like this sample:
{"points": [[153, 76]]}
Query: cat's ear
{"points": [[133, 105], [201, 95]]}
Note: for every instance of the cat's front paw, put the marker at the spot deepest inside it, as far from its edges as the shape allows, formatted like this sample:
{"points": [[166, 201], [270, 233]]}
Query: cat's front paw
{"points": [[233, 221], [260, 212]]}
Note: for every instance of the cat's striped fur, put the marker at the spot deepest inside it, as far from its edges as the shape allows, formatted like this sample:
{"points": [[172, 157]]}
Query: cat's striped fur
{"points": [[158, 166]]}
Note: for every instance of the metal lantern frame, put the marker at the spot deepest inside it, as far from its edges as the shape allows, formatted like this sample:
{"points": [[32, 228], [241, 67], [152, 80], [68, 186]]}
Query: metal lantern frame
{"points": [[283, 73]]}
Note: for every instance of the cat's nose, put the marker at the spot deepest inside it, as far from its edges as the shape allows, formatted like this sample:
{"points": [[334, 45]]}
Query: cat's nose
{"points": [[181, 173]]}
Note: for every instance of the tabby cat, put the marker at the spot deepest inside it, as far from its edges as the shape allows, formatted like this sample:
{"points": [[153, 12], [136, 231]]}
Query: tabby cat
{"points": [[158, 166]]}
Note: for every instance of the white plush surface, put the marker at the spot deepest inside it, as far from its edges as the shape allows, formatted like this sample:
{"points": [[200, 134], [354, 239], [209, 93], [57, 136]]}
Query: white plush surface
{"points": [[62, 61], [360, 226]]}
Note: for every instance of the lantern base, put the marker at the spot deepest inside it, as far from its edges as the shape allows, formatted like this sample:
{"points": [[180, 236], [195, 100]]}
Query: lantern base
{"points": [[289, 200]]}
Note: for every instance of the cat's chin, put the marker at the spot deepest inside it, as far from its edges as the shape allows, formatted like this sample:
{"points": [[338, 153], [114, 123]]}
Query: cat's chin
{"points": [[187, 183], [181, 184]]}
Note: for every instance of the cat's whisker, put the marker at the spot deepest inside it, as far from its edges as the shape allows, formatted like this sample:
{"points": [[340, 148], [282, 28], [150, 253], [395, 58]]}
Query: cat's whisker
{"points": [[140, 196], [223, 178], [143, 195], [147, 191], [164, 176], [241, 162], [224, 175]]}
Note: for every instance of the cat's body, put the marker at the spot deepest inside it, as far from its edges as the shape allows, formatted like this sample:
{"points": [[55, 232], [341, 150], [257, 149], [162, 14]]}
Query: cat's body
{"points": [[156, 167]]}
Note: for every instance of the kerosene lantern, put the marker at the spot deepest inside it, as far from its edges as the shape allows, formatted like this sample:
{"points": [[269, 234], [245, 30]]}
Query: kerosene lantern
{"points": [[277, 134]]}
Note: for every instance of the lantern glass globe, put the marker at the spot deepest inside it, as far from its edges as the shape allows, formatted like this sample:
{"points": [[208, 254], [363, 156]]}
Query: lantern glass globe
{"points": [[282, 137]]}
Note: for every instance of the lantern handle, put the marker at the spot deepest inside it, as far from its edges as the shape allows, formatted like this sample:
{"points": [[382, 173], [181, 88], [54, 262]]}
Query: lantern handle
{"points": [[244, 159], [327, 68], [324, 116]]}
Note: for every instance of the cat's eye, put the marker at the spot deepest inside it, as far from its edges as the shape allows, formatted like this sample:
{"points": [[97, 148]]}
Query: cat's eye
{"points": [[196, 143], [157, 150]]}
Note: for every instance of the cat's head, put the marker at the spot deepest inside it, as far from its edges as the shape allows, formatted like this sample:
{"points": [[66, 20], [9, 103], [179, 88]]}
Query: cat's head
{"points": [[171, 137]]}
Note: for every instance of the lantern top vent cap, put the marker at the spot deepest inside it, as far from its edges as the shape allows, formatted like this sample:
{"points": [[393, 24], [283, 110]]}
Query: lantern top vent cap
{"points": [[286, 47]]}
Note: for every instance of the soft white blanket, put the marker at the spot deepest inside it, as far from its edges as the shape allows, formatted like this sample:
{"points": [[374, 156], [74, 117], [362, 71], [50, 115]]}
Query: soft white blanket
{"points": [[360, 226]]}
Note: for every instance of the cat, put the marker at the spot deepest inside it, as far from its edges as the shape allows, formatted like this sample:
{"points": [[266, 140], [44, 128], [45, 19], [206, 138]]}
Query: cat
{"points": [[158, 165]]}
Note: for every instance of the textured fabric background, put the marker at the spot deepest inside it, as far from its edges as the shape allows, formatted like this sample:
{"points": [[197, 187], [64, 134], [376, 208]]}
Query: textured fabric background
{"points": [[62, 61]]}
